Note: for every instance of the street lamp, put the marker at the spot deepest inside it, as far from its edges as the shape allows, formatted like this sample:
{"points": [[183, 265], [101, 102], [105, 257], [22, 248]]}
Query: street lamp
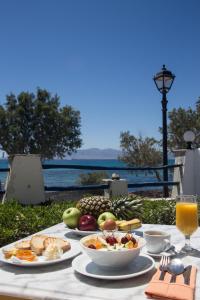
{"points": [[189, 138], [164, 80]]}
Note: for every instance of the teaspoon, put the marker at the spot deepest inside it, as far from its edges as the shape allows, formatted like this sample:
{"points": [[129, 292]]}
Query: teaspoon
{"points": [[175, 267]]}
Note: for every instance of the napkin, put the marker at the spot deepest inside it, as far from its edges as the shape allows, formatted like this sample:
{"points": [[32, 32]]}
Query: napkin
{"points": [[164, 290]]}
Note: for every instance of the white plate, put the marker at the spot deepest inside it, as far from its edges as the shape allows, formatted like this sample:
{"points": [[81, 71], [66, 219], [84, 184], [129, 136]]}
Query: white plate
{"points": [[81, 232], [84, 233], [75, 250], [142, 264]]}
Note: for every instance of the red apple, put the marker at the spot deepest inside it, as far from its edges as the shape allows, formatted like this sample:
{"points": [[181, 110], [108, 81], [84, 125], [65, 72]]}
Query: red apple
{"points": [[87, 223], [109, 225]]}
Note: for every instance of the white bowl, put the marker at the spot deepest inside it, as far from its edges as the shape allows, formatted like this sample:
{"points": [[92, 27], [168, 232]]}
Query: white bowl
{"points": [[112, 258]]}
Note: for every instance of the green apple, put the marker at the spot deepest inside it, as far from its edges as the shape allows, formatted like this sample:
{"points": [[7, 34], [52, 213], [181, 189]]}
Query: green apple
{"points": [[71, 217], [105, 216]]}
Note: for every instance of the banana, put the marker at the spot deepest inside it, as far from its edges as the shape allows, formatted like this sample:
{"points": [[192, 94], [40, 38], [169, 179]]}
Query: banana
{"points": [[129, 225]]}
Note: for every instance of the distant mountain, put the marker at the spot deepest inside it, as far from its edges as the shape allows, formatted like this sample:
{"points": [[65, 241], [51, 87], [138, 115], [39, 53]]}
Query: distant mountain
{"points": [[95, 153]]}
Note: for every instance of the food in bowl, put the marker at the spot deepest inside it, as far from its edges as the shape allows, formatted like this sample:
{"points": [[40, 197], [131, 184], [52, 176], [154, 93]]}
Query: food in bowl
{"points": [[113, 250], [112, 242]]}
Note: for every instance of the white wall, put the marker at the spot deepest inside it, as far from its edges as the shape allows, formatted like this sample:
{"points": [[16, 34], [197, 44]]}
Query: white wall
{"points": [[190, 177], [25, 180]]}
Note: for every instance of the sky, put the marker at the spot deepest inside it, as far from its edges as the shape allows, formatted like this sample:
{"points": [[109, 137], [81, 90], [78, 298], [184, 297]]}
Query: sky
{"points": [[100, 57]]}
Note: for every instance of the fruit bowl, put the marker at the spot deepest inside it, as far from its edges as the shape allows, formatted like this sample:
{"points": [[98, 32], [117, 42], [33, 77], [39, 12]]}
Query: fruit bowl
{"points": [[115, 256], [79, 232]]}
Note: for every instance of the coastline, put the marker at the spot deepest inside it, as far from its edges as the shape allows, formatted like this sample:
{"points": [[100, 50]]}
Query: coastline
{"points": [[69, 177]]}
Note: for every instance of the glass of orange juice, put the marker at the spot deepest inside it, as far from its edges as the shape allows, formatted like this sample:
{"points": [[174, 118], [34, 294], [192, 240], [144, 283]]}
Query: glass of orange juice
{"points": [[187, 218]]}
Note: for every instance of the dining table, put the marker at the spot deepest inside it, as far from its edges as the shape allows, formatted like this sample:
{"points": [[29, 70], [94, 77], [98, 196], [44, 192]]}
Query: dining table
{"points": [[59, 281]]}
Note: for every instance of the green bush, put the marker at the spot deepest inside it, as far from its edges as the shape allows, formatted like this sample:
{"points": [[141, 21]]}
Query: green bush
{"points": [[161, 211], [18, 221], [158, 212], [92, 178]]}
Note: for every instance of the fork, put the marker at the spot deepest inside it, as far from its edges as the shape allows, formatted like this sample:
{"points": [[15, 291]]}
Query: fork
{"points": [[163, 266]]}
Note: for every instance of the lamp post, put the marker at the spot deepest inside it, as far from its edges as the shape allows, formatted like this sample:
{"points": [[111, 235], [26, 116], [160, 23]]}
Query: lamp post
{"points": [[164, 80]]}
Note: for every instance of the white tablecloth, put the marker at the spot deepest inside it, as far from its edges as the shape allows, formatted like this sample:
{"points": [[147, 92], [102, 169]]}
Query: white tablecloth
{"points": [[59, 281]]}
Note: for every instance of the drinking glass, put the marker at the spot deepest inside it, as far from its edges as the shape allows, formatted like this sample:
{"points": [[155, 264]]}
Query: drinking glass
{"points": [[187, 218]]}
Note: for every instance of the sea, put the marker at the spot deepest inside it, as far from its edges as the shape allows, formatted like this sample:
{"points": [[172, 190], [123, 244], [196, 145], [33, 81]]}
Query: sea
{"points": [[70, 177]]}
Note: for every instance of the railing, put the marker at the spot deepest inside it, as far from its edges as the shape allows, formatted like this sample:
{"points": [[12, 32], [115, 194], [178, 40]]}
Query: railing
{"points": [[87, 167], [105, 186]]}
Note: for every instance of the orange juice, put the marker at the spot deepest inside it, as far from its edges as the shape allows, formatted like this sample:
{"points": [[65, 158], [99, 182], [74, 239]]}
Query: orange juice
{"points": [[186, 217]]}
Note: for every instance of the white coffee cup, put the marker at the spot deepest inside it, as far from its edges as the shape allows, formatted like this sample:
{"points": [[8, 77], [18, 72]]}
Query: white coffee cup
{"points": [[156, 240]]}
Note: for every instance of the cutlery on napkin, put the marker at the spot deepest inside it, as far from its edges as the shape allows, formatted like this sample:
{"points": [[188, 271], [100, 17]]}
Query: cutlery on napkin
{"points": [[186, 275], [182, 289]]}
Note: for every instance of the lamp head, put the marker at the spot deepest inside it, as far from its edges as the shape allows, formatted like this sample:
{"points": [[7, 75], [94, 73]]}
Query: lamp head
{"points": [[189, 138], [164, 80]]}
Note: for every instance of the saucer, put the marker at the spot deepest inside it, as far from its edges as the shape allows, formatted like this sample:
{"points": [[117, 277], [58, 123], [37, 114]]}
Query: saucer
{"points": [[141, 265], [154, 254], [167, 252], [158, 255]]}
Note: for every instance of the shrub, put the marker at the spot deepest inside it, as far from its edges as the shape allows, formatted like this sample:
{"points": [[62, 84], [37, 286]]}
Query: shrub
{"points": [[18, 221], [92, 178], [159, 212]]}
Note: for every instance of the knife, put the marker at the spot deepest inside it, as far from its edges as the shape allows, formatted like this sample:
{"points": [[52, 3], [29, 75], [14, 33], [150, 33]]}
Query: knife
{"points": [[186, 274], [173, 278]]}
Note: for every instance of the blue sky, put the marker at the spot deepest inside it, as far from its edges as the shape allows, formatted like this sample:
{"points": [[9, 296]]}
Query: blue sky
{"points": [[100, 56]]}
